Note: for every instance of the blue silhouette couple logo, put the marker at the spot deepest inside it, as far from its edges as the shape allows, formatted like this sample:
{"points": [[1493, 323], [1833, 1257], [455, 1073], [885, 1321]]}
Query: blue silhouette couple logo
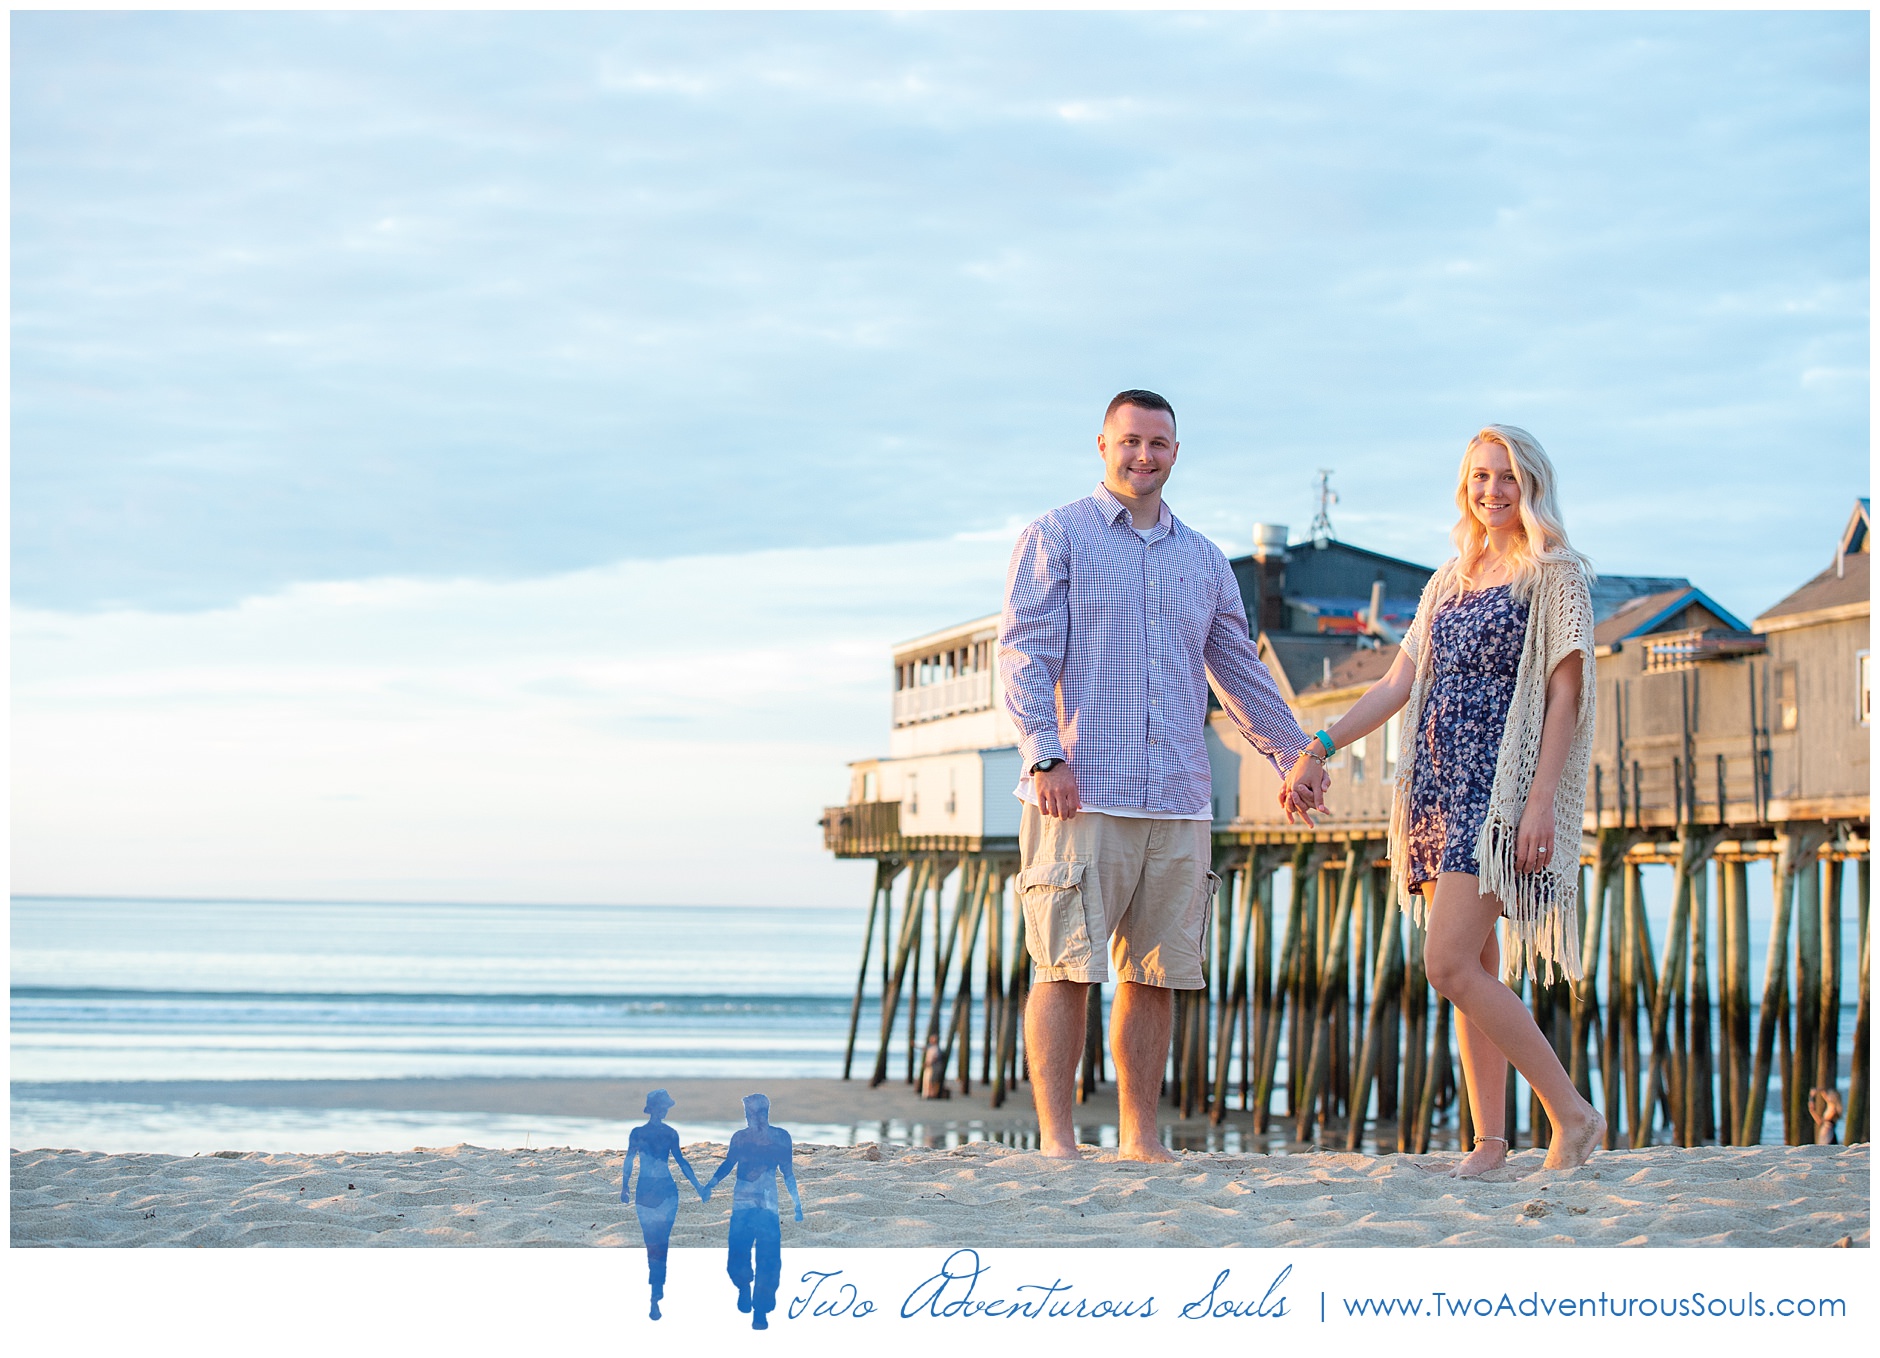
{"points": [[759, 1152]]}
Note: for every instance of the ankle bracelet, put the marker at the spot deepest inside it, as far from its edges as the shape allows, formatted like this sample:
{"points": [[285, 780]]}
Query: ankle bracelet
{"points": [[1480, 1139]]}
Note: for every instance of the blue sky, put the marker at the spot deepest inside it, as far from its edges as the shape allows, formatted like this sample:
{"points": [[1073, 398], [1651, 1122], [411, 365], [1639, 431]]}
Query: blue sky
{"points": [[613, 353]]}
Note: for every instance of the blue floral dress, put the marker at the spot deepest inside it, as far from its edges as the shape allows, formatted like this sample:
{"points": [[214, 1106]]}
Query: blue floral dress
{"points": [[1475, 645]]}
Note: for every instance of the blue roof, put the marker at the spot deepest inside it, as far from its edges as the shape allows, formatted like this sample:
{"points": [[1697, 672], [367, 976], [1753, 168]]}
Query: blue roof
{"points": [[1654, 609]]}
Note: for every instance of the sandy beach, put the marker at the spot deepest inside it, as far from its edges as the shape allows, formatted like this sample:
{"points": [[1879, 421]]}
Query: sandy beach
{"points": [[920, 1173], [981, 1193], [814, 1101], [590, 1113]]}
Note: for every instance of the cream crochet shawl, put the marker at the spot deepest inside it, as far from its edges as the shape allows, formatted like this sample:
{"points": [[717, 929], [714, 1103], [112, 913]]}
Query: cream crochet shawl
{"points": [[1542, 908]]}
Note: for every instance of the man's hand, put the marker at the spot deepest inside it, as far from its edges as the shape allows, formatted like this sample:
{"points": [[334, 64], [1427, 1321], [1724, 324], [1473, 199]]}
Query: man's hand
{"points": [[1056, 789]]}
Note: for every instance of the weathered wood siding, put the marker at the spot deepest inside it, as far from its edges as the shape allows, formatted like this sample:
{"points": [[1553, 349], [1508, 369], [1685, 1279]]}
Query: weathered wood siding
{"points": [[1824, 762]]}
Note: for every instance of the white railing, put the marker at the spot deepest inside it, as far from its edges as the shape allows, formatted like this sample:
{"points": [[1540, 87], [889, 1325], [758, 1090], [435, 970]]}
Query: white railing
{"points": [[949, 698]]}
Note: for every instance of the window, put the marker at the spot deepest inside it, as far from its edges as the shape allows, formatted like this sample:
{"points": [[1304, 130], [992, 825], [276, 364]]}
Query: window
{"points": [[1393, 734], [912, 790], [1358, 748], [868, 787], [1788, 698], [1863, 687]]}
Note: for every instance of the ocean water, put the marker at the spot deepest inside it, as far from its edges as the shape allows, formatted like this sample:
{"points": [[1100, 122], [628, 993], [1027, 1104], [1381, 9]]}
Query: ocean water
{"points": [[221, 990], [107, 991], [165, 990]]}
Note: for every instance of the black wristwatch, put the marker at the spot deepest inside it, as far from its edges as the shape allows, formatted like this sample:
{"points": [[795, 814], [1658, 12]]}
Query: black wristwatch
{"points": [[1045, 765]]}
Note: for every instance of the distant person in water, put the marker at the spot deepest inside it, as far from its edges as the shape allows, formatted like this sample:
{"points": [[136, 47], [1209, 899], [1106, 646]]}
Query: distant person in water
{"points": [[658, 1202], [759, 1152]]}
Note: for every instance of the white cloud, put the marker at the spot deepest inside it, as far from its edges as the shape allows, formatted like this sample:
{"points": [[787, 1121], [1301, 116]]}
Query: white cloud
{"points": [[660, 284], [660, 732]]}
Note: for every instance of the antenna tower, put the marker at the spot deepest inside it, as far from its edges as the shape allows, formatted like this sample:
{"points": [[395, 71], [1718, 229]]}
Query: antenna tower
{"points": [[1322, 522]]}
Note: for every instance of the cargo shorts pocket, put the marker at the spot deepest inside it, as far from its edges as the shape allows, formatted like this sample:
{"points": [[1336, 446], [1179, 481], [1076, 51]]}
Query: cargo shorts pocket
{"points": [[1057, 927], [1183, 957], [1210, 892]]}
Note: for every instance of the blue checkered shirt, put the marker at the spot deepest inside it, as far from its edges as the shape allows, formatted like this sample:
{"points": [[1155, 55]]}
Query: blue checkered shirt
{"points": [[1107, 646]]}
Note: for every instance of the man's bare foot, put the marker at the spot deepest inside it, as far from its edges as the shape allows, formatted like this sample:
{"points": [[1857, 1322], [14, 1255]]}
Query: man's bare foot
{"points": [[1489, 1153], [1575, 1142], [1061, 1150], [1152, 1151]]}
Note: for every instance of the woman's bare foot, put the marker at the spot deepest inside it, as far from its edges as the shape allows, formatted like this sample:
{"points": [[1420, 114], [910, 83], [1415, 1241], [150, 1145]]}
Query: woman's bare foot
{"points": [[1575, 1141], [1489, 1153]]}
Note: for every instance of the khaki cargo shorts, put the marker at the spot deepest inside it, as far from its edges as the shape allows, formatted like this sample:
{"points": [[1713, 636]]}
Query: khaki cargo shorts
{"points": [[1143, 885]]}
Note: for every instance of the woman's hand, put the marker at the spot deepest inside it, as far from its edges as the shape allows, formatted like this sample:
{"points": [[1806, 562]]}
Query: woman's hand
{"points": [[1534, 841]]}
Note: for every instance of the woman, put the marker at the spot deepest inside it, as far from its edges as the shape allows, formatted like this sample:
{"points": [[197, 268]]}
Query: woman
{"points": [[1495, 678], [658, 1204]]}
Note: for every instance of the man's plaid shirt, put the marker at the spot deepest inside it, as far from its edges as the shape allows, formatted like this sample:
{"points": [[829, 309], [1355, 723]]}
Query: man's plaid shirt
{"points": [[1106, 649]]}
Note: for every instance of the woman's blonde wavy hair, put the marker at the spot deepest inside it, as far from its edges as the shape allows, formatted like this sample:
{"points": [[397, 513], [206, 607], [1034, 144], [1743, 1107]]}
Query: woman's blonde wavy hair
{"points": [[1544, 536]]}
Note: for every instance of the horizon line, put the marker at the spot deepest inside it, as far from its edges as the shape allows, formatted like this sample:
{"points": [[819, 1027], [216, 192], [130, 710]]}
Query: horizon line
{"points": [[380, 900]]}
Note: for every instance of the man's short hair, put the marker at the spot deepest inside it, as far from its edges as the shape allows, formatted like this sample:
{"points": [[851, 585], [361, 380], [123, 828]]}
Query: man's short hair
{"points": [[757, 1103], [1136, 396]]}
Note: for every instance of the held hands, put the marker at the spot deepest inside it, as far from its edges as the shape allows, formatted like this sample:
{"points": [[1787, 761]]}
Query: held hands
{"points": [[1056, 789], [1534, 841], [1304, 789]]}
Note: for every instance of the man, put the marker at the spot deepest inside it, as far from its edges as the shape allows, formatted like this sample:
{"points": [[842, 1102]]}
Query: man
{"points": [[1117, 618], [758, 1152]]}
